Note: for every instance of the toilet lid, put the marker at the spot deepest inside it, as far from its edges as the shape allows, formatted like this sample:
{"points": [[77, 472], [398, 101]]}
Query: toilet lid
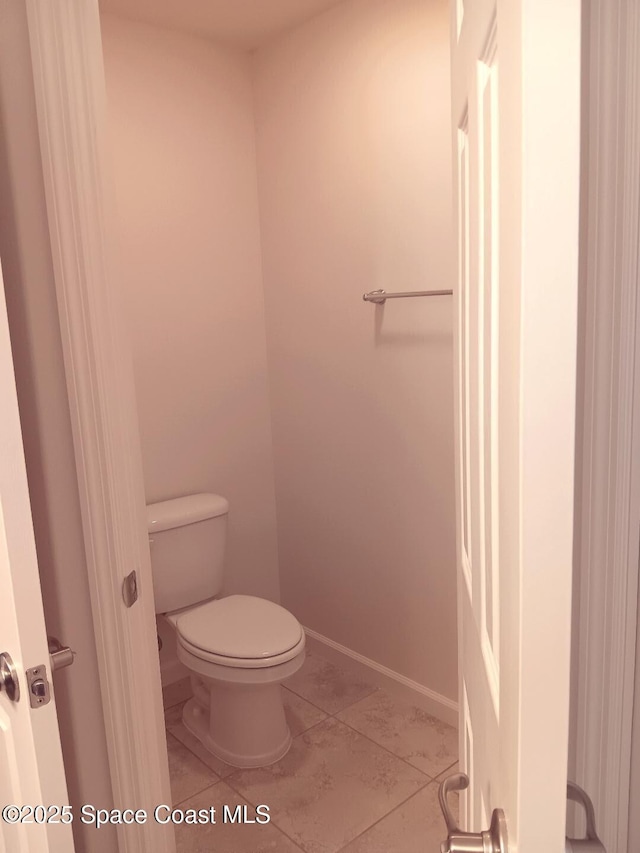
{"points": [[240, 626]]}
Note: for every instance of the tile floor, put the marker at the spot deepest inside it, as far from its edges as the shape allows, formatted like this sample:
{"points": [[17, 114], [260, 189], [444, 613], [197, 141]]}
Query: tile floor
{"points": [[361, 775]]}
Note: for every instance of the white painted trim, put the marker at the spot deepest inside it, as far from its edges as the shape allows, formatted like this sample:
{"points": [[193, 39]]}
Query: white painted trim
{"points": [[434, 703], [608, 512], [70, 98]]}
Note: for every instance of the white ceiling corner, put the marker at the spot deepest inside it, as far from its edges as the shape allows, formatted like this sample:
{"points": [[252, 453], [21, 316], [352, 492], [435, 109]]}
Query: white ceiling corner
{"points": [[244, 24]]}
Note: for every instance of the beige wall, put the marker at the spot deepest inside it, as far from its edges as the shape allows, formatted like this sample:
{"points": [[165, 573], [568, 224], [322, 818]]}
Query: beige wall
{"points": [[352, 121], [46, 429], [352, 118], [181, 119]]}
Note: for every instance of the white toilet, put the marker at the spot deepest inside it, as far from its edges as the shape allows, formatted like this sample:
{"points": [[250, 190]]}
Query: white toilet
{"points": [[239, 649]]}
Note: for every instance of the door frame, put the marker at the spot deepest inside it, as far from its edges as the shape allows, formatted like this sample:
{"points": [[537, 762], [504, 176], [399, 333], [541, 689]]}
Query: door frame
{"points": [[66, 57], [608, 442]]}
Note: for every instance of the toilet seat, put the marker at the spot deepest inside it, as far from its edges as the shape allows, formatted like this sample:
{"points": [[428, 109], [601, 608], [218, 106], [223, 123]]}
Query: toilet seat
{"points": [[242, 663], [240, 631]]}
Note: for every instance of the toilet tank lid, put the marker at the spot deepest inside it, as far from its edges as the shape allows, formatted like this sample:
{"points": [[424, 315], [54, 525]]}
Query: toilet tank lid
{"points": [[178, 512]]}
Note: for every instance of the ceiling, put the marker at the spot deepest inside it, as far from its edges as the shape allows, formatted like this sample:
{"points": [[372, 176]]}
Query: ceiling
{"points": [[242, 23]]}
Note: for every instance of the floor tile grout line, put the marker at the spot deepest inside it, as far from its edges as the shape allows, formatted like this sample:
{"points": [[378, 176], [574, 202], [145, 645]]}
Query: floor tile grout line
{"points": [[228, 782], [394, 699], [428, 780], [332, 713], [313, 705], [166, 708], [386, 749], [336, 666], [348, 725], [308, 729], [336, 717], [197, 757], [233, 769], [195, 794], [442, 772], [271, 822], [355, 702], [428, 776], [366, 737], [388, 814], [243, 797]]}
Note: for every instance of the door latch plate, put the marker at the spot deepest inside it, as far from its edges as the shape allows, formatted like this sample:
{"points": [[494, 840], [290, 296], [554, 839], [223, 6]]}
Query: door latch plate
{"points": [[38, 686]]}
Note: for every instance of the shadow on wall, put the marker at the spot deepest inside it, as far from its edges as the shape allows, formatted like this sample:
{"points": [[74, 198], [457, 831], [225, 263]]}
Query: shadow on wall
{"points": [[365, 525], [434, 332]]}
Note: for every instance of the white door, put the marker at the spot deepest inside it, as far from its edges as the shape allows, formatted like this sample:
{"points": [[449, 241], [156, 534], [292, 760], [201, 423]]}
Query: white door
{"points": [[516, 99], [31, 768]]}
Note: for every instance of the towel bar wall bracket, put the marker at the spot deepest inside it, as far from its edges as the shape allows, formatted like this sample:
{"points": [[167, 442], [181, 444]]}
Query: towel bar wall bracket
{"points": [[379, 297]]}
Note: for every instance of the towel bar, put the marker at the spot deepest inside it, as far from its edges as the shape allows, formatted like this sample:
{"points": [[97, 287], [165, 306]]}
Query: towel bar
{"points": [[379, 297]]}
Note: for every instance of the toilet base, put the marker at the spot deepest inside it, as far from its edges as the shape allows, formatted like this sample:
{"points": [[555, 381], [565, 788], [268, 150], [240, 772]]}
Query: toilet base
{"points": [[242, 724]]}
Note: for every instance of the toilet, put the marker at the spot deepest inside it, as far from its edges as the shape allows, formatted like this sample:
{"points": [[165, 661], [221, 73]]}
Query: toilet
{"points": [[238, 648]]}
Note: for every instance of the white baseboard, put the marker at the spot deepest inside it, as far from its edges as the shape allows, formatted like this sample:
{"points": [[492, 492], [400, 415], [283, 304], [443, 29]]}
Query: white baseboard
{"points": [[433, 703]]}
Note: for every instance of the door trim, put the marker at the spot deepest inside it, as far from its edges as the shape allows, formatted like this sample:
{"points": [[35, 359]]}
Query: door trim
{"points": [[66, 55], [608, 469]]}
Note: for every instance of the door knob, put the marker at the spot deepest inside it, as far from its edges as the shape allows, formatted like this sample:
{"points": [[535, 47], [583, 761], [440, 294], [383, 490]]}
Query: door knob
{"points": [[591, 843], [9, 678], [494, 840]]}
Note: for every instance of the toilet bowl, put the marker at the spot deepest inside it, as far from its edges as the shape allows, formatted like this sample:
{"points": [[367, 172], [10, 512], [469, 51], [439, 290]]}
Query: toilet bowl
{"points": [[239, 648]]}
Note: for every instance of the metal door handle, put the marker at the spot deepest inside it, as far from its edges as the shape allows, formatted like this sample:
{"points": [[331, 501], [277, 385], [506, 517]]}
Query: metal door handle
{"points": [[9, 678], [494, 840], [591, 843], [59, 655]]}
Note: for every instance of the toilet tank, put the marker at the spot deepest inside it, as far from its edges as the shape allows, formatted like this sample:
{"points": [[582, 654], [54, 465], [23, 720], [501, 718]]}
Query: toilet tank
{"points": [[187, 541]]}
